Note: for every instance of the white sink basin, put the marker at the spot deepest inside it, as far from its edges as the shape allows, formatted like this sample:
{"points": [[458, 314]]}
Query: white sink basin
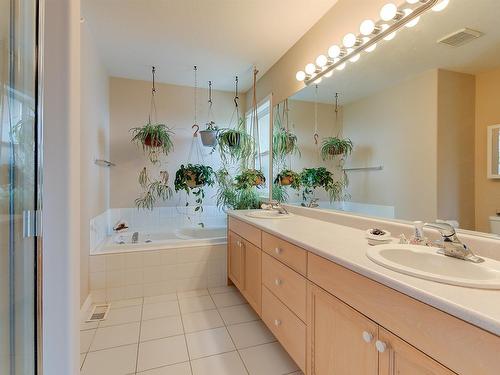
{"points": [[425, 263], [268, 214]]}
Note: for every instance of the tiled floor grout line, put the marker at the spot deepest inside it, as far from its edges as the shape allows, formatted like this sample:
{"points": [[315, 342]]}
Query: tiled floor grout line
{"points": [[185, 337], [139, 338]]}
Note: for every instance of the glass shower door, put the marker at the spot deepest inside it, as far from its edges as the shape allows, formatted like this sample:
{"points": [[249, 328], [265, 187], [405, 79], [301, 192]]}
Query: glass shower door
{"points": [[18, 187]]}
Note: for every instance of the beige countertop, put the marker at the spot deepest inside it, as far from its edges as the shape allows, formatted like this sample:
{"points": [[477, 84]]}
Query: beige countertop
{"points": [[347, 246]]}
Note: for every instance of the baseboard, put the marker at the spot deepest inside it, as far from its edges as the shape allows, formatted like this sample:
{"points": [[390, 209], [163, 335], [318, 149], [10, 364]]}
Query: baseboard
{"points": [[85, 307]]}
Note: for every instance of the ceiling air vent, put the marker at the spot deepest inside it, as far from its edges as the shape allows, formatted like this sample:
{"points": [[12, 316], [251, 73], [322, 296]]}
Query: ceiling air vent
{"points": [[460, 37]]}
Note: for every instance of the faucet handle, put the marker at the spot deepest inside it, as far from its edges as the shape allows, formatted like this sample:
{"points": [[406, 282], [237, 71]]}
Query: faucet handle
{"points": [[445, 229]]}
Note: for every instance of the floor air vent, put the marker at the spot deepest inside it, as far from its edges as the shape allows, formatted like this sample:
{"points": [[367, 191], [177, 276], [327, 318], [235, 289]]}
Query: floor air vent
{"points": [[99, 312], [460, 37]]}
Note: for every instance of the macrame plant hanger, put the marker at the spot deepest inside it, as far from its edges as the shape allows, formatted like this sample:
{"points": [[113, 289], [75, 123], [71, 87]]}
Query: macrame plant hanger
{"points": [[195, 144], [236, 110], [337, 109], [210, 116], [316, 131], [255, 121]]}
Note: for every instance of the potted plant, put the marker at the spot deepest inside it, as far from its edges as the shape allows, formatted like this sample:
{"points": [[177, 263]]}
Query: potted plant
{"points": [[235, 144], [193, 178], [155, 139], [235, 196], [284, 143], [335, 146], [288, 177], [313, 178], [250, 178], [209, 135]]}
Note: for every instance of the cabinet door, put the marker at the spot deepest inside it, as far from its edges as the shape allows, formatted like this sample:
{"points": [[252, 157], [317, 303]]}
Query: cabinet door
{"points": [[236, 260], [253, 275], [398, 357], [340, 340]]}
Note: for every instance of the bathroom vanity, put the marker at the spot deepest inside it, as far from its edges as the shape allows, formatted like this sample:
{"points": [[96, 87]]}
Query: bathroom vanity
{"points": [[336, 312]]}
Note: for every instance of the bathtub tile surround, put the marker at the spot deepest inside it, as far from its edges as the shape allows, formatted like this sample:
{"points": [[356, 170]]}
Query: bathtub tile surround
{"points": [[151, 273], [210, 341]]}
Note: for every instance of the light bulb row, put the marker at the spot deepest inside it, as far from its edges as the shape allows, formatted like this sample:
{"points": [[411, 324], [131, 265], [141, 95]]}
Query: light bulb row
{"points": [[389, 13]]}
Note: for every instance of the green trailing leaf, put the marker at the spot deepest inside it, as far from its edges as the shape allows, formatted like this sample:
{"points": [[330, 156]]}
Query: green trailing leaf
{"points": [[287, 177], [334, 146], [155, 139], [284, 143], [279, 193], [235, 145], [313, 178], [231, 196]]}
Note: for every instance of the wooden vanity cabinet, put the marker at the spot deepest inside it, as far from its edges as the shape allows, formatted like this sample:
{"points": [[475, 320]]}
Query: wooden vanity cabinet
{"points": [[252, 290], [339, 339], [236, 260]]}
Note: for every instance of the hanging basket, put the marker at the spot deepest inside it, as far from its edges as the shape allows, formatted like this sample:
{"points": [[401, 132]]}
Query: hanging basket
{"points": [[191, 180], [286, 180], [208, 138], [151, 142]]}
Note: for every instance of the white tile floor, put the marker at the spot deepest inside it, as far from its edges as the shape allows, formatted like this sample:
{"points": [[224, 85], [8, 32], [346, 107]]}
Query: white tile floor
{"points": [[200, 332]]}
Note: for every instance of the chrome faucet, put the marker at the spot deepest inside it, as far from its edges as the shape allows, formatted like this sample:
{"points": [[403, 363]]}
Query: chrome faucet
{"points": [[452, 246], [311, 204], [135, 237], [274, 205]]}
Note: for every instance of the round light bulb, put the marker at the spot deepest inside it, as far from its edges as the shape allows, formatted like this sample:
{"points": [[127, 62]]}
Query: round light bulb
{"points": [[329, 74], [389, 11], [310, 69], [341, 66], [355, 58], [413, 22], [390, 36], [321, 61], [300, 76], [371, 48], [367, 27], [349, 40], [440, 6], [334, 51]]}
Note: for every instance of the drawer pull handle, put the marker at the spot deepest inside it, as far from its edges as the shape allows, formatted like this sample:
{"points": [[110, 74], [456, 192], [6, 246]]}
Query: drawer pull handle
{"points": [[367, 337], [278, 282], [277, 251], [381, 346], [277, 323]]}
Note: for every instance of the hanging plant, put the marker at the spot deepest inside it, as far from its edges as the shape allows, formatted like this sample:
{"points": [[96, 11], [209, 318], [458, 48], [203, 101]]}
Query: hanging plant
{"points": [[235, 145], [288, 177], [250, 178], [155, 139], [313, 178], [284, 143], [192, 179], [153, 190], [280, 194], [209, 135], [230, 195], [335, 146]]}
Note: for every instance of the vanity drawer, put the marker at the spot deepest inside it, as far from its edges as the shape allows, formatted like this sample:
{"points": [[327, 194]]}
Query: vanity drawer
{"points": [[288, 329], [291, 255], [247, 231], [286, 284]]}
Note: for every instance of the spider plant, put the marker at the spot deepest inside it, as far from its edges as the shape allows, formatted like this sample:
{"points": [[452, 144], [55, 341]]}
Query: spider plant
{"points": [[235, 144], [192, 179], [279, 193], [284, 143], [153, 190], [230, 196], [288, 177], [335, 146], [155, 139]]}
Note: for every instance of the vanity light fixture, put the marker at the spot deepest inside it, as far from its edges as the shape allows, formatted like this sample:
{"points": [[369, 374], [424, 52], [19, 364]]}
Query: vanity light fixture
{"points": [[393, 19]]}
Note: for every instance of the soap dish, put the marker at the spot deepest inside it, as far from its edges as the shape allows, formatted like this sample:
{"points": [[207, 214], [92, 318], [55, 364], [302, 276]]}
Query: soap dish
{"points": [[378, 236]]}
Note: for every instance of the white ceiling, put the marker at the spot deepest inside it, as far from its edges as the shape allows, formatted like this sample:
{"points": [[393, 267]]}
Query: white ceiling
{"points": [[223, 37], [416, 50]]}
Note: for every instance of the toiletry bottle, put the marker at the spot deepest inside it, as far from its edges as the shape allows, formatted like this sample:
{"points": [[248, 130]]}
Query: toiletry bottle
{"points": [[418, 235]]}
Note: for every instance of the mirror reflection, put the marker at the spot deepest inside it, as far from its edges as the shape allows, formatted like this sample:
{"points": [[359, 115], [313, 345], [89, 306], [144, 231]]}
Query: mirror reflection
{"points": [[402, 133]]}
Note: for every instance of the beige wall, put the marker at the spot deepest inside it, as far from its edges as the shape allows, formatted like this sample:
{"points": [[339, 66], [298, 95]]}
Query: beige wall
{"points": [[94, 144], [487, 113], [455, 169], [344, 17], [396, 128], [129, 107]]}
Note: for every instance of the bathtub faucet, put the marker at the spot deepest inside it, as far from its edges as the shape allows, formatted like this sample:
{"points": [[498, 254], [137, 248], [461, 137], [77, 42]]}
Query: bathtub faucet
{"points": [[135, 237]]}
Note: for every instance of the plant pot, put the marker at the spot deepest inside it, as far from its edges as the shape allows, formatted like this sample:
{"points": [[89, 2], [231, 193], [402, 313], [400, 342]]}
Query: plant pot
{"points": [[234, 140], [286, 180], [150, 142], [191, 180], [258, 181], [335, 151], [208, 138]]}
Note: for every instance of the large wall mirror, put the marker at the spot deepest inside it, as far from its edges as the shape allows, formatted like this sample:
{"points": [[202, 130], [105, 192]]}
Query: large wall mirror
{"points": [[401, 133]]}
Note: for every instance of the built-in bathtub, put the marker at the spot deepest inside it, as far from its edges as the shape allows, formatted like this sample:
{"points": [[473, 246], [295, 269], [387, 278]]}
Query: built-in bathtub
{"points": [[172, 253]]}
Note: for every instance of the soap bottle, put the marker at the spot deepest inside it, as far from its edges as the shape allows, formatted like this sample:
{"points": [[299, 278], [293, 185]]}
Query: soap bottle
{"points": [[418, 237]]}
